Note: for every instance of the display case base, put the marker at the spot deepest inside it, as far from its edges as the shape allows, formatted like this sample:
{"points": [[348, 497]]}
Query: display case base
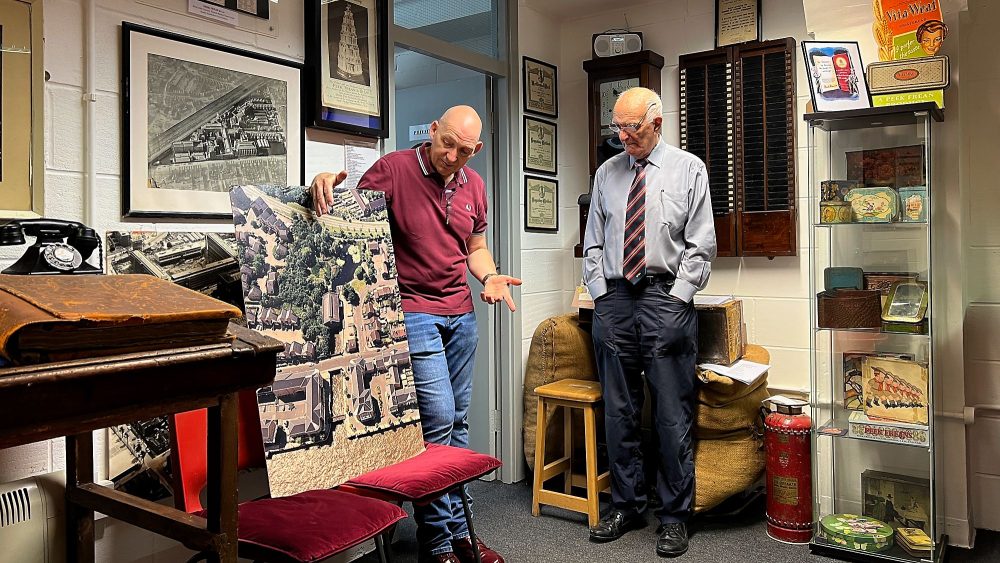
{"points": [[827, 549]]}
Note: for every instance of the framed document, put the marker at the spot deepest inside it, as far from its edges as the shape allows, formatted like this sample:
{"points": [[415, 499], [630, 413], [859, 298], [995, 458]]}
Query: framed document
{"points": [[539, 145], [346, 66], [22, 105], [836, 75], [541, 204], [200, 118], [736, 21], [538, 80]]}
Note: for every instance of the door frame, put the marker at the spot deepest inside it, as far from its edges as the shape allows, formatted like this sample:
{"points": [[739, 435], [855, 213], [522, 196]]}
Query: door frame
{"points": [[505, 339]]}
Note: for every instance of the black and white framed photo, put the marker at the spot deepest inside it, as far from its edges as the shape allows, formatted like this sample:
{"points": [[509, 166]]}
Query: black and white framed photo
{"points": [[836, 75], [346, 66], [736, 21], [541, 204], [538, 80], [540, 146], [199, 118]]}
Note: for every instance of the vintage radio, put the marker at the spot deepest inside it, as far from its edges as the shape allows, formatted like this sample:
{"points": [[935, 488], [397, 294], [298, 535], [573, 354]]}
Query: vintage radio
{"points": [[721, 333]]}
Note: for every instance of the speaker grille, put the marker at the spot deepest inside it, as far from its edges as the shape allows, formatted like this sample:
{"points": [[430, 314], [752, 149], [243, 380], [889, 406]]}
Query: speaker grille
{"points": [[15, 507]]}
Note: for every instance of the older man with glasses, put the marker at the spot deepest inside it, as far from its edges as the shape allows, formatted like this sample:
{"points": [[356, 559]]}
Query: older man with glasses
{"points": [[649, 244]]}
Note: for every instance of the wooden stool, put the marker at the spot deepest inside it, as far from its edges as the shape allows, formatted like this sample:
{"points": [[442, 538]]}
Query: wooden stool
{"points": [[572, 394]]}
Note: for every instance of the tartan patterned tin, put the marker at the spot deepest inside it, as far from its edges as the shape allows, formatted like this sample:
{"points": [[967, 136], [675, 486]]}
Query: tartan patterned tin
{"points": [[856, 532]]}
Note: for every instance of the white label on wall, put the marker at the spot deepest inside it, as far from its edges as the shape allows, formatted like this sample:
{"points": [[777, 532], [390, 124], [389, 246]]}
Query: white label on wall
{"points": [[213, 11], [420, 132]]}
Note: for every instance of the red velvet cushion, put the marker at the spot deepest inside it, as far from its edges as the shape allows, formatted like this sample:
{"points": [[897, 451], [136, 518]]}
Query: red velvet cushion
{"points": [[314, 525], [429, 474]]}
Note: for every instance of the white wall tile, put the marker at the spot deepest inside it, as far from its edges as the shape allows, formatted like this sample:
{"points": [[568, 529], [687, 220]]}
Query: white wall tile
{"points": [[789, 368], [536, 307], [67, 130], [779, 322]]}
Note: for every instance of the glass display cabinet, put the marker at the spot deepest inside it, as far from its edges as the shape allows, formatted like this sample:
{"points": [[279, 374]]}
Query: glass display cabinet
{"points": [[872, 373]]}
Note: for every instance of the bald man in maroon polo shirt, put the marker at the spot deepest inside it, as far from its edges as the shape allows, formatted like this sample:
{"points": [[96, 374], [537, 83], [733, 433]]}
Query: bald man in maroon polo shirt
{"points": [[437, 216]]}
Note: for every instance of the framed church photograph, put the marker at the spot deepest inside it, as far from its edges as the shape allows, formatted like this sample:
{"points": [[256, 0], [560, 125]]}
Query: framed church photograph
{"points": [[346, 66]]}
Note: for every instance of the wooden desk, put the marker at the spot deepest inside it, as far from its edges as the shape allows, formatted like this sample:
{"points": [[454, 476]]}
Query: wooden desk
{"points": [[74, 398]]}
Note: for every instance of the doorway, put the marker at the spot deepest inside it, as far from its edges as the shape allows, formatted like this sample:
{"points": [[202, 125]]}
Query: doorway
{"points": [[424, 88]]}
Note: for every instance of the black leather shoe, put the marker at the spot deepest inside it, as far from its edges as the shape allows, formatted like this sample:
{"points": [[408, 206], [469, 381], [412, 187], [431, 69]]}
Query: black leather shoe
{"points": [[615, 524], [673, 540]]}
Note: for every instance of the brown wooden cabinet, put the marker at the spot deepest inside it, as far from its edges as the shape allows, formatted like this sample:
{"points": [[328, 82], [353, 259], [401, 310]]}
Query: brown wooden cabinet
{"points": [[737, 113]]}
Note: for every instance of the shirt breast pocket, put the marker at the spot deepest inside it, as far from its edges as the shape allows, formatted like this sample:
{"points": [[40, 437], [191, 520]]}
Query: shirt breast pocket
{"points": [[673, 209]]}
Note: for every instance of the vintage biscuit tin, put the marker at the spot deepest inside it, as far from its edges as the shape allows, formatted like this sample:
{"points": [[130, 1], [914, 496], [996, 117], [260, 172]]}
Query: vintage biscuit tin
{"points": [[856, 532], [874, 205], [835, 212], [908, 75], [913, 204]]}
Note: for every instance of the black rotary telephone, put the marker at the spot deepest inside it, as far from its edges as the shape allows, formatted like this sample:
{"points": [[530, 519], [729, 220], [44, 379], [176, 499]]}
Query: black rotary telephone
{"points": [[61, 247]]}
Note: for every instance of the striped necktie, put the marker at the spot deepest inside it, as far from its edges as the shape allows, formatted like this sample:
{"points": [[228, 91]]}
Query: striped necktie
{"points": [[634, 263]]}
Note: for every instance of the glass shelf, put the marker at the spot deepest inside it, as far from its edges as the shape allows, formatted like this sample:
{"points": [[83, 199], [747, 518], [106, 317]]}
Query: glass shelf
{"points": [[894, 226], [890, 116], [882, 330], [823, 546]]}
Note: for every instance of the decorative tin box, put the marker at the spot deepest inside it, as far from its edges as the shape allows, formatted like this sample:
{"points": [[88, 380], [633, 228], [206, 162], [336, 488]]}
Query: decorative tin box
{"points": [[908, 75], [853, 368], [900, 500], [849, 308], [721, 338], [835, 212], [882, 281], [864, 428], [894, 167], [906, 303], [839, 277], [895, 390], [856, 532], [836, 190], [874, 205], [913, 204]]}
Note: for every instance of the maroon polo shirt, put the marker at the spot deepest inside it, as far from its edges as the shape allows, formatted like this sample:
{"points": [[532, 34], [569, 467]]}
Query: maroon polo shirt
{"points": [[430, 252]]}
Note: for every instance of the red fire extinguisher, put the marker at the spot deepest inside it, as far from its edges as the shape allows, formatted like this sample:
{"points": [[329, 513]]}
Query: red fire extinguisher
{"points": [[789, 470]]}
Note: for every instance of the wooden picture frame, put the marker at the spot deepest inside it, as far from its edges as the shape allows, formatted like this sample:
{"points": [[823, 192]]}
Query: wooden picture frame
{"points": [[541, 204], [737, 21], [22, 104], [540, 146], [831, 87], [347, 91], [540, 87], [235, 119]]}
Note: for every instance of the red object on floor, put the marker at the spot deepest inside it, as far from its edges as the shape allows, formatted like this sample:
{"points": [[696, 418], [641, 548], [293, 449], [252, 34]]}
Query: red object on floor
{"points": [[787, 442]]}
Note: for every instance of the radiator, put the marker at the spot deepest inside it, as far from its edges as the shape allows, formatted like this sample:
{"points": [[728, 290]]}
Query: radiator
{"points": [[31, 519]]}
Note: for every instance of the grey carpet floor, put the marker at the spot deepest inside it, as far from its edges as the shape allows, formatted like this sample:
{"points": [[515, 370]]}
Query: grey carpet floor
{"points": [[504, 521]]}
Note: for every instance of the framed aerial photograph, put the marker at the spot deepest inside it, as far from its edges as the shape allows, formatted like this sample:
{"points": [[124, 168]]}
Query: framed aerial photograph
{"points": [[538, 81], [541, 204], [347, 66], [539, 146], [836, 75], [736, 21], [200, 118], [22, 103]]}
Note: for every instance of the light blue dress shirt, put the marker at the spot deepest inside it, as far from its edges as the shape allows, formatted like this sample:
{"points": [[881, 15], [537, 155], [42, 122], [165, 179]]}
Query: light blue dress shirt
{"points": [[680, 228]]}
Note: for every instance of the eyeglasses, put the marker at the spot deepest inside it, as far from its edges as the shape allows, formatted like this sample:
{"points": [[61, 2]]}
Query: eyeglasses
{"points": [[631, 128]]}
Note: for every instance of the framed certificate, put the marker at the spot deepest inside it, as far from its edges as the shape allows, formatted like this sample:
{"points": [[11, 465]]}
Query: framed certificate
{"points": [[539, 85], [539, 146], [736, 21], [541, 204]]}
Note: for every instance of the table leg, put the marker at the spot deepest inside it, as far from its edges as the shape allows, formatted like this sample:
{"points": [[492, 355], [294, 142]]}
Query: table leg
{"points": [[222, 462], [79, 520]]}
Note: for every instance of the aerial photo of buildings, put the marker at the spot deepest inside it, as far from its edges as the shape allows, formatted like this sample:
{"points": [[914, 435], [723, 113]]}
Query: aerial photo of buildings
{"points": [[343, 401]]}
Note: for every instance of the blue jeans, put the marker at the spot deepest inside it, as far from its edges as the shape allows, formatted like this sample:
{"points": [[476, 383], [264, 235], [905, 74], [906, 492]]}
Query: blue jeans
{"points": [[442, 350]]}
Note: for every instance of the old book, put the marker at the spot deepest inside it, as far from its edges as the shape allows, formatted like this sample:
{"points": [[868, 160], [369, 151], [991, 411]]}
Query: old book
{"points": [[52, 318]]}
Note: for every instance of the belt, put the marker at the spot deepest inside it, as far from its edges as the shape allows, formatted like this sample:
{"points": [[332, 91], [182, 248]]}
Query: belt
{"points": [[650, 279]]}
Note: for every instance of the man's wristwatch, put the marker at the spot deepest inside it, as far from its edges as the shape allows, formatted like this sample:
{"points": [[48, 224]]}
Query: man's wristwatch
{"points": [[487, 277]]}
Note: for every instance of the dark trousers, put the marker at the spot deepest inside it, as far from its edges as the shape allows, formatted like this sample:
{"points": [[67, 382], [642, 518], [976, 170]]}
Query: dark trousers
{"points": [[640, 329]]}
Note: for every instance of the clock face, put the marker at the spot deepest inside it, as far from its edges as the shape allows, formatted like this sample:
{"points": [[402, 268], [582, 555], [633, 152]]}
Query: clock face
{"points": [[609, 95]]}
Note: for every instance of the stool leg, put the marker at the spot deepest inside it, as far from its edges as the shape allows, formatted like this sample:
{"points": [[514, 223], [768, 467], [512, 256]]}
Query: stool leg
{"points": [[468, 520], [568, 449], [590, 435], [539, 456]]}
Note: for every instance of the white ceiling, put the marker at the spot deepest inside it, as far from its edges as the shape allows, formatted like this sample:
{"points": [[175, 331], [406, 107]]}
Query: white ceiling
{"points": [[575, 9]]}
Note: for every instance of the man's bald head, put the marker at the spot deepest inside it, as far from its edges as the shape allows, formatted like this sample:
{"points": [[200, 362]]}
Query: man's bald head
{"points": [[455, 139], [638, 100], [639, 113]]}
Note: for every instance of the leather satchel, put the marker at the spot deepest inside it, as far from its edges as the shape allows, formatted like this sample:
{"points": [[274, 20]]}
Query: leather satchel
{"points": [[849, 308]]}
